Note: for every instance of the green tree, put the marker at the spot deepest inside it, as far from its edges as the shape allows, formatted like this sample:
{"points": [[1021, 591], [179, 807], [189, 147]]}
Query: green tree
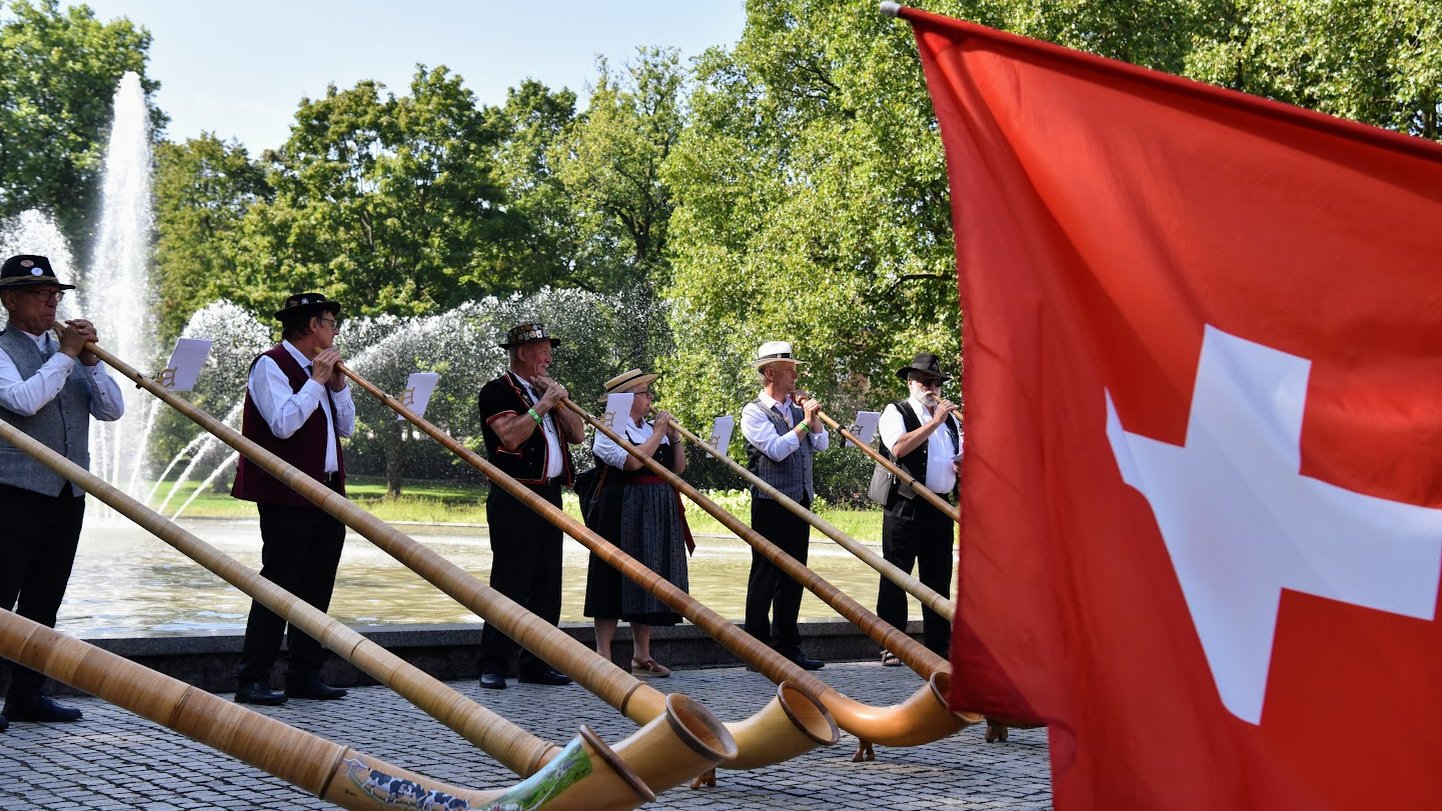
{"points": [[203, 188], [386, 202], [543, 240], [811, 206], [60, 72], [1376, 61]]}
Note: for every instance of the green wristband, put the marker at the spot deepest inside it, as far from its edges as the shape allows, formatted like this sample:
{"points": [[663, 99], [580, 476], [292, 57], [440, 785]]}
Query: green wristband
{"points": [[805, 427], [534, 416]]}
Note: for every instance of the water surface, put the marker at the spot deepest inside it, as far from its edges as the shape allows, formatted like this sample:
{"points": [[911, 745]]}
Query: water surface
{"points": [[129, 583]]}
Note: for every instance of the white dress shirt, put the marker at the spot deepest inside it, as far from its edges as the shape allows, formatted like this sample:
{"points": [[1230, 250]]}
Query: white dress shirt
{"points": [[554, 465], [286, 411], [27, 397], [940, 475], [759, 431], [614, 455]]}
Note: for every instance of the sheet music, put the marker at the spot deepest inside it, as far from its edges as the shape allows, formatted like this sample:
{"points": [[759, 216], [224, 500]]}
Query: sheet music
{"points": [[618, 409], [721, 429], [419, 387], [186, 360], [864, 428]]}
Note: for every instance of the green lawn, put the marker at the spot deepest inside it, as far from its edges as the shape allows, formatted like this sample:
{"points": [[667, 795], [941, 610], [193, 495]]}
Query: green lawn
{"points": [[440, 503]]}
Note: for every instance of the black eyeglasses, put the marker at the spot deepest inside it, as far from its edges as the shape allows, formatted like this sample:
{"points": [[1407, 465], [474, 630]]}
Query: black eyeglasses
{"points": [[48, 295]]}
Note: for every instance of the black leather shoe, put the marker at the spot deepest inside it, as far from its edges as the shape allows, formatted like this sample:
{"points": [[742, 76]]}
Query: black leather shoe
{"points": [[800, 660], [4, 724], [493, 681], [254, 692], [39, 709], [549, 676], [310, 686]]}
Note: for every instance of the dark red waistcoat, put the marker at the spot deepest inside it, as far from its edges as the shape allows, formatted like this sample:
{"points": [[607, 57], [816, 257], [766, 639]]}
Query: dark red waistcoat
{"points": [[305, 449]]}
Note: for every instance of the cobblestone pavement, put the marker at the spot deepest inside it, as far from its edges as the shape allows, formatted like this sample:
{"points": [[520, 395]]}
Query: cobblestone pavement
{"points": [[115, 760]]}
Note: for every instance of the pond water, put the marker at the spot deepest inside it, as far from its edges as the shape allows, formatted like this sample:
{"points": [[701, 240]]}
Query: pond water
{"points": [[127, 582]]}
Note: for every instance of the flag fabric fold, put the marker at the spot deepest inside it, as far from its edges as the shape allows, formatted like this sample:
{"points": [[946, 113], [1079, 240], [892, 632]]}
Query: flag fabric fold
{"points": [[1202, 500]]}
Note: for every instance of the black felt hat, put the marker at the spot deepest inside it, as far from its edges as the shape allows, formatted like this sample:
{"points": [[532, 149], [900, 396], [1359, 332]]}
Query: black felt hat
{"points": [[526, 333], [28, 270], [925, 363], [304, 302]]}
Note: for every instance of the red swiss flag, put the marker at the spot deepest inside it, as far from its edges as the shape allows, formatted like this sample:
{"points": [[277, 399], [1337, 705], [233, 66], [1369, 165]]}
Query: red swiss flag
{"points": [[1202, 500]]}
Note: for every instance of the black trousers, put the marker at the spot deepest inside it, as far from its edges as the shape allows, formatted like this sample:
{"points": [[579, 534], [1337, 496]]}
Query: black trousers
{"points": [[37, 551], [770, 590], [300, 552], [913, 532], [526, 567]]}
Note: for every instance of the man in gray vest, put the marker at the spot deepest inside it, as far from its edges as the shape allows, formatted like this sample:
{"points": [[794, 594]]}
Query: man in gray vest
{"points": [[781, 439], [50, 396], [924, 438]]}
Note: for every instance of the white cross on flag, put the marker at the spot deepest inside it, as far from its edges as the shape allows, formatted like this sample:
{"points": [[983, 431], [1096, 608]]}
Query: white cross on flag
{"points": [[1202, 518]]}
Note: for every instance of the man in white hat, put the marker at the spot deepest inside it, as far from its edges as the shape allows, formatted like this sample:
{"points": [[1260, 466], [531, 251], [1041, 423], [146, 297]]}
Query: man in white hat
{"points": [[781, 439]]}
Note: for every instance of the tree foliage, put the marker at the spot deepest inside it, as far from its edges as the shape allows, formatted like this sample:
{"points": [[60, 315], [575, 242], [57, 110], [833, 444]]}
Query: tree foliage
{"points": [[388, 203], [59, 76], [203, 189]]}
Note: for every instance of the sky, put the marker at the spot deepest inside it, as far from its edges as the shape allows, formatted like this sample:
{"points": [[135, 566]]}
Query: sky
{"points": [[240, 69]]}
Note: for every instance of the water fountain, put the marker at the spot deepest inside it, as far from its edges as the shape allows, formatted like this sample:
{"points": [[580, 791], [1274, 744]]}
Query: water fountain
{"points": [[114, 292]]}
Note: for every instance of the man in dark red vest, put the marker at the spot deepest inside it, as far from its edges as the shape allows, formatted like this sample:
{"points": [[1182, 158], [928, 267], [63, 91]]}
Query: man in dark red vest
{"points": [[297, 406], [526, 433]]}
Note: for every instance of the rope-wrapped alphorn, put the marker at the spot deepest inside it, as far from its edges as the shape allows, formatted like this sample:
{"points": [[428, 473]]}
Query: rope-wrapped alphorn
{"points": [[691, 732], [338, 774], [920, 719], [909, 583], [582, 776], [894, 469]]}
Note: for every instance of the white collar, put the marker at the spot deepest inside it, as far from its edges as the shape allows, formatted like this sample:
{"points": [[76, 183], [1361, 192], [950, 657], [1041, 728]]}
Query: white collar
{"points": [[297, 354], [767, 401]]}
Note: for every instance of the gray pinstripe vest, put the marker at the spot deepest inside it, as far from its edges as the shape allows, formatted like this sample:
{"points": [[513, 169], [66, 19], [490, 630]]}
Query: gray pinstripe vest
{"points": [[792, 475], [63, 424]]}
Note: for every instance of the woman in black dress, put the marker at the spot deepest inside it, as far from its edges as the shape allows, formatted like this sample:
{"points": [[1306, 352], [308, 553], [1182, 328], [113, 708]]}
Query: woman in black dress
{"points": [[639, 513]]}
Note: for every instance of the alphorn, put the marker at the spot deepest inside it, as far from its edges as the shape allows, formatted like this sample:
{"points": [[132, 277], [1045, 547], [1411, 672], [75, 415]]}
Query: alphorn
{"points": [[920, 719], [795, 722], [658, 765], [916, 655], [929, 598], [582, 776], [894, 469], [513, 747]]}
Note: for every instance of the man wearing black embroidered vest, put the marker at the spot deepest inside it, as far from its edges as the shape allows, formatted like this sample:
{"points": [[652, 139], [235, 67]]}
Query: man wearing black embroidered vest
{"points": [[50, 387], [297, 406], [525, 432], [781, 439], [924, 438]]}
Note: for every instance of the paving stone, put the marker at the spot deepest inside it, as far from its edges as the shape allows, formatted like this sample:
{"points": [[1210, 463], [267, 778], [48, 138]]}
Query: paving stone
{"points": [[115, 760]]}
